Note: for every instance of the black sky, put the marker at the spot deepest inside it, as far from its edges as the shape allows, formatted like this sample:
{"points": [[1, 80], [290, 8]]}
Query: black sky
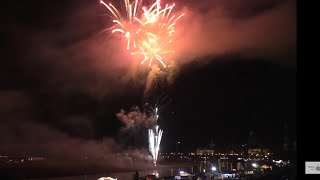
{"points": [[44, 82]]}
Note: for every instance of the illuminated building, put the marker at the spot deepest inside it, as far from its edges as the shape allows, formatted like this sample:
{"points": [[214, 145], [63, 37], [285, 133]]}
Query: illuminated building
{"points": [[35, 158], [252, 139], [205, 152], [254, 152], [265, 152]]}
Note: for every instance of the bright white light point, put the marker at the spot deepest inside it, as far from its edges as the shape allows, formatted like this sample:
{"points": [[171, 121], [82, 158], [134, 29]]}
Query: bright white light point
{"points": [[127, 34], [152, 40], [214, 168], [181, 172], [153, 19], [254, 165]]}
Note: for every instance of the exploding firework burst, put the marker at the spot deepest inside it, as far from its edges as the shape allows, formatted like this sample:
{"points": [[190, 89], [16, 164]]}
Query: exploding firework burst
{"points": [[127, 24], [147, 30]]}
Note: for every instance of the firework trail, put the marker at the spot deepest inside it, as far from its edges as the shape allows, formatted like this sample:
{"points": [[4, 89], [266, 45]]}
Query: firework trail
{"points": [[147, 30], [155, 135], [160, 102]]}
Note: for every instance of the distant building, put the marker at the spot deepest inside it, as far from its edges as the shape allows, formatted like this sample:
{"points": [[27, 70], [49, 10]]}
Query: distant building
{"points": [[254, 152], [207, 151], [252, 139], [259, 151], [235, 149], [35, 158]]}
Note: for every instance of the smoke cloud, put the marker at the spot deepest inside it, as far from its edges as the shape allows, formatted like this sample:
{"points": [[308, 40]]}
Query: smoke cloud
{"points": [[263, 29], [22, 135], [154, 72], [74, 54], [136, 124], [134, 118]]}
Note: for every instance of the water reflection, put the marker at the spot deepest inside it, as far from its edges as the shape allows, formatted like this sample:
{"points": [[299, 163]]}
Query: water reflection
{"points": [[215, 167], [160, 172]]}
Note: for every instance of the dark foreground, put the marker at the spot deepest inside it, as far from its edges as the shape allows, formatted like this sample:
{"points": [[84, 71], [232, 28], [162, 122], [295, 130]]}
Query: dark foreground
{"points": [[75, 174], [62, 171]]}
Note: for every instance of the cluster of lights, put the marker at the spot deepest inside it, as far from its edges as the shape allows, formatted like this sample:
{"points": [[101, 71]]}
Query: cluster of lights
{"points": [[107, 178]]}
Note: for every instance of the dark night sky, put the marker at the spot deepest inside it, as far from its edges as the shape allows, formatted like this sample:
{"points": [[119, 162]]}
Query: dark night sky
{"points": [[49, 78]]}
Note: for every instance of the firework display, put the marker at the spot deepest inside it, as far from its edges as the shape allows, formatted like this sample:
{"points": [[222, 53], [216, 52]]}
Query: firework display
{"points": [[155, 136], [148, 30]]}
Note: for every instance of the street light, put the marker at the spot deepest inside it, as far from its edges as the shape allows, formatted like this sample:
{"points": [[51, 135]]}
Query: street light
{"points": [[214, 168], [255, 165]]}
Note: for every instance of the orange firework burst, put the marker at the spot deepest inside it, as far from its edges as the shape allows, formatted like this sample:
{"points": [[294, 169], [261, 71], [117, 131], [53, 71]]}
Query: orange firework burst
{"points": [[125, 24], [148, 30]]}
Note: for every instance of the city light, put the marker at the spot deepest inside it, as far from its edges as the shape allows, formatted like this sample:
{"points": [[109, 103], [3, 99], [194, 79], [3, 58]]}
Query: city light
{"points": [[279, 161], [214, 168], [255, 165], [107, 178]]}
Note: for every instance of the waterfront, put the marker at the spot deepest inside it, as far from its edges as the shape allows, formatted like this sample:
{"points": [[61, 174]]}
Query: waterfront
{"points": [[204, 170]]}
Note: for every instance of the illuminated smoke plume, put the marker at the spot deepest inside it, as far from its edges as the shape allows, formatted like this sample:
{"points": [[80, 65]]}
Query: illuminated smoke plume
{"points": [[136, 123], [69, 60], [259, 29], [134, 118], [23, 134]]}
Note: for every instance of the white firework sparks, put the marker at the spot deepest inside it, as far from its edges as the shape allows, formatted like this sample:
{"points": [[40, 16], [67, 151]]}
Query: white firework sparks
{"points": [[154, 142], [155, 134]]}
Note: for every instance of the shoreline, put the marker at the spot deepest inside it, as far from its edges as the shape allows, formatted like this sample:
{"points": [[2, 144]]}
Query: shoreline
{"points": [[36, 171]]}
